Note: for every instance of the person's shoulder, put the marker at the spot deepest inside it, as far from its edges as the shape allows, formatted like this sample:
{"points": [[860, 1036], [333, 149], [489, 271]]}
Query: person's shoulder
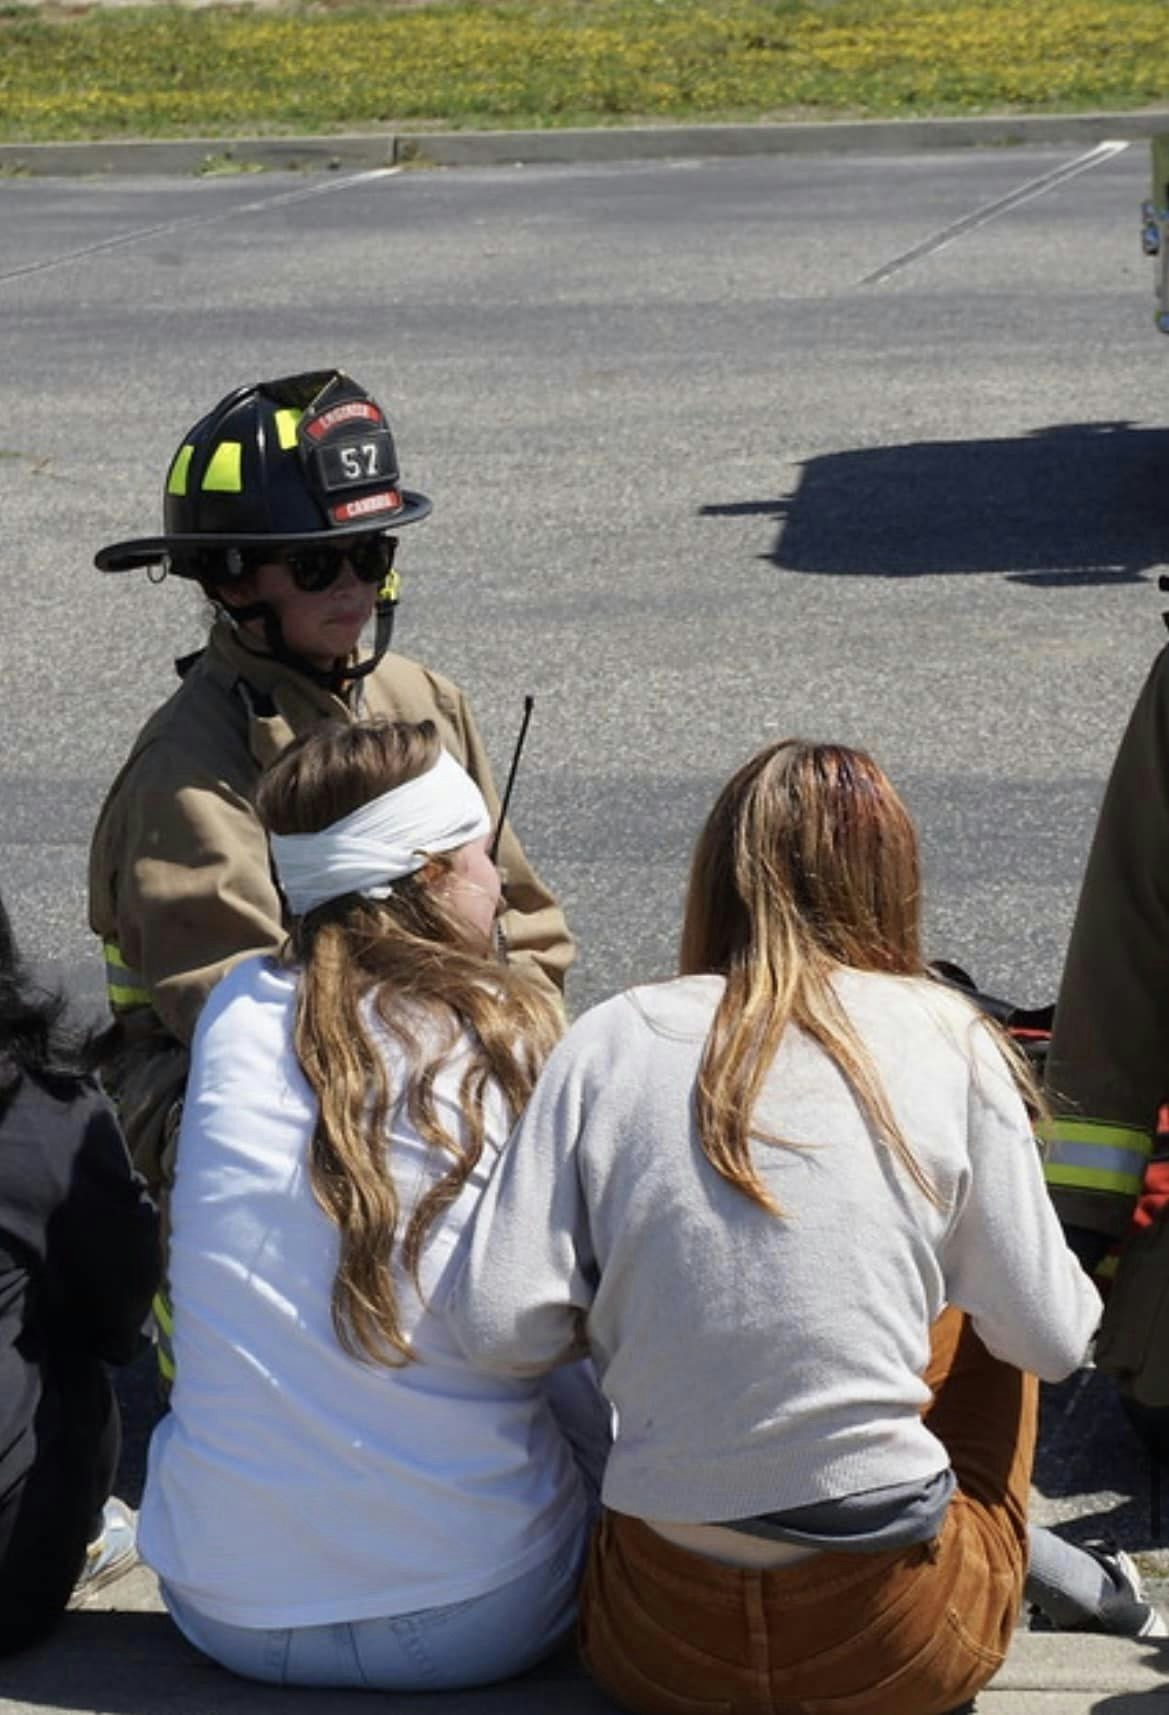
{"points": [[904, 997], [256, 979], [193, 735], [679, 1010], [1155, 689], [51, 1117], [60, 1090], [933, 1017], [399, 678], [151, 740], [246, 1022], [206, 703]]}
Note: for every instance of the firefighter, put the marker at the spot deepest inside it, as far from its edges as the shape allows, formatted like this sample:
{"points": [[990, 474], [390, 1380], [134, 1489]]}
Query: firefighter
{"points": [[283, 503], [1108, 1066]]}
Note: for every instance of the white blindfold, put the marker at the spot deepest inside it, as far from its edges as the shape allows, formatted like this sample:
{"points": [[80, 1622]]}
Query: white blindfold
{"points": [[386, 839]]}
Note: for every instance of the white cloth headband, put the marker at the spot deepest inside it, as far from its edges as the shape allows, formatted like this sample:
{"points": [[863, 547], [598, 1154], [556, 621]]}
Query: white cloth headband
{"points": [[382, 841]]}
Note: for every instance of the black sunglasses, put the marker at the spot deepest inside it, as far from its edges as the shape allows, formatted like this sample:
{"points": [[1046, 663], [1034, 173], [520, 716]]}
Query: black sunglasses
{"points": [[314, 568]]}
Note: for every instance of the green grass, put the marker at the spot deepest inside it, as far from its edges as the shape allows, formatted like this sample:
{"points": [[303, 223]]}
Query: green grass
{"points": [[164, 71]]}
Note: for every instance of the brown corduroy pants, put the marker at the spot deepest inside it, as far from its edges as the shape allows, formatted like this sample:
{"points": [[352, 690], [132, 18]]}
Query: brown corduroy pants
{"points": [[912, 1631]]}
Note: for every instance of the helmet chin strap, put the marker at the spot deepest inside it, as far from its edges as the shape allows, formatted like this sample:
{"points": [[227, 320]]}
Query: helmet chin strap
{"points": [[333, 679], [384, 614]]}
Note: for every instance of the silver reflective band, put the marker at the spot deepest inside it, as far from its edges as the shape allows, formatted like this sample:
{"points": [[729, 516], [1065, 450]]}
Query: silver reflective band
{"points": [[1103, 1155], [382, 841]]}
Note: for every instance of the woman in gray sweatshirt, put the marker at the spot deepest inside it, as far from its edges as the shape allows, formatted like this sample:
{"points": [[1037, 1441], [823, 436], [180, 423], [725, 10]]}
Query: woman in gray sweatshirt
{"points": [[792, 1205]]}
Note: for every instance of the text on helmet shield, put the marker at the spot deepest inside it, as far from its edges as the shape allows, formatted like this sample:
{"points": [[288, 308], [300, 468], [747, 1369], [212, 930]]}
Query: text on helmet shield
{"points": [[362, 408], [345, 464], [389, 500]]}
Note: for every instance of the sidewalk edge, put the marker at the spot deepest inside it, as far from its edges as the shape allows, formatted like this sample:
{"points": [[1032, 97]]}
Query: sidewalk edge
{"points": [[357, 151]]}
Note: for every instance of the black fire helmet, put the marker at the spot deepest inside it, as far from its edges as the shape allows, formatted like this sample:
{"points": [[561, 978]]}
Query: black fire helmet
{"points": [[306, 458]]}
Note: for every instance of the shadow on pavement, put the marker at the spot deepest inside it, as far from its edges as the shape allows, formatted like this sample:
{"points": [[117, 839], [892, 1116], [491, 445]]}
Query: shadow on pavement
{"points": [[1088, 1451], [120, 1663], [1080, 503], [136, 1386], [1133, 1703]]}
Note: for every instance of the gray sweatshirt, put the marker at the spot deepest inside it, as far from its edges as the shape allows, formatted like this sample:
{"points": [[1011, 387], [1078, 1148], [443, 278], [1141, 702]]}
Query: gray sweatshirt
{"points": [[759, 1364]]}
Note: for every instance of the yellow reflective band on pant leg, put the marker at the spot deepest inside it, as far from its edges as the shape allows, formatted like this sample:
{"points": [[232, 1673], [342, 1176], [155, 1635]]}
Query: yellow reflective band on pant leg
{"points": [[164, 1328], [224, 470], [1059, 1130], [1089, 1155], [124, 987], [1124, 1184]]}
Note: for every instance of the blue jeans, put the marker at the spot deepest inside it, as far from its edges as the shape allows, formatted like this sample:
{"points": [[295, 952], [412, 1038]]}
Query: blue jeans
{"points": [[435, 1649]]}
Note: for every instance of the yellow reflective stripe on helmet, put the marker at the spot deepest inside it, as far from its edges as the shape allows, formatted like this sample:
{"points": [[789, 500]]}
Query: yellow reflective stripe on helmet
{"points": [[124, 987], [176, 482], [163, 1314], [286, 421], [223, 473]]}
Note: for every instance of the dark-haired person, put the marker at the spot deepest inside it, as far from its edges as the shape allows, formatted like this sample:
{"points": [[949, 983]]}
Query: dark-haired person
{"points": [[336, 1496], [792, 1203], [283, 503], [78, 1266]]}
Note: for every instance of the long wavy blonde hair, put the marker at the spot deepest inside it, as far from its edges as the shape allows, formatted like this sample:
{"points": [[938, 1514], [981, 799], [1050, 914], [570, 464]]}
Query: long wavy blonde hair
{"points": [[432, 982], [807, 862]]}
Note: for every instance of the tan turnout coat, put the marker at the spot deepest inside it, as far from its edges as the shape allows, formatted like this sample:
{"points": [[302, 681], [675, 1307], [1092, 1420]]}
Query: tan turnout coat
{"points": [[1108, 1068], [180, 885]]}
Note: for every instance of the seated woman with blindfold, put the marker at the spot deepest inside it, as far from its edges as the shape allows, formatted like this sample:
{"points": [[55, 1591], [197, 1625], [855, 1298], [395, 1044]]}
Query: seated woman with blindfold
{"points": [[337, 1497]]}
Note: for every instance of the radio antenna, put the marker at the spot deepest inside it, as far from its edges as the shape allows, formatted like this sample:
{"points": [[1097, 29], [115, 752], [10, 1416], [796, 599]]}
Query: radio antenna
{"points": [[529, 705]]}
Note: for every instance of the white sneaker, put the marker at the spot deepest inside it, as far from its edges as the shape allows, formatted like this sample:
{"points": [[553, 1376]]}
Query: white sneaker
{"points": [[111, 1554], [1128, 1614]]}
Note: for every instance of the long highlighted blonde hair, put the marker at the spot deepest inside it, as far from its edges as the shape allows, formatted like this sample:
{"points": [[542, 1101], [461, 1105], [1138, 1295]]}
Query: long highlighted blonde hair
{"points": [[808, 862], [431, 982]]}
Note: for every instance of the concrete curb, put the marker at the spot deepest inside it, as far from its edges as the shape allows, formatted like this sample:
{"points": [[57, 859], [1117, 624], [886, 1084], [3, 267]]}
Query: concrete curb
{"points": [[117, 1652], [366, 150]]}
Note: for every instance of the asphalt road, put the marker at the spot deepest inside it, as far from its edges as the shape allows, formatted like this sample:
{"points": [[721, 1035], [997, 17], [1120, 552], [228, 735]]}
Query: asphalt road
{"points": [[719, 451], [699, 480]]}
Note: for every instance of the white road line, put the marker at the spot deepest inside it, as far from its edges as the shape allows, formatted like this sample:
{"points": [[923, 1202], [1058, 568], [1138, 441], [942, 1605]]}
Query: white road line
{"points": [[277, 200], [991, 210]]}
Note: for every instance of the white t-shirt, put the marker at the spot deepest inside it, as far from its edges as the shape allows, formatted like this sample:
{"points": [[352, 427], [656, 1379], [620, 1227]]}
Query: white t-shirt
{"points": [[291, 1485], [760, 1364]]}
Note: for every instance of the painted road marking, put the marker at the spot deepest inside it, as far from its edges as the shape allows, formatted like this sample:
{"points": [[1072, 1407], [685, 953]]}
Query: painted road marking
{"points": [[277, 200], [991, 211]]}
